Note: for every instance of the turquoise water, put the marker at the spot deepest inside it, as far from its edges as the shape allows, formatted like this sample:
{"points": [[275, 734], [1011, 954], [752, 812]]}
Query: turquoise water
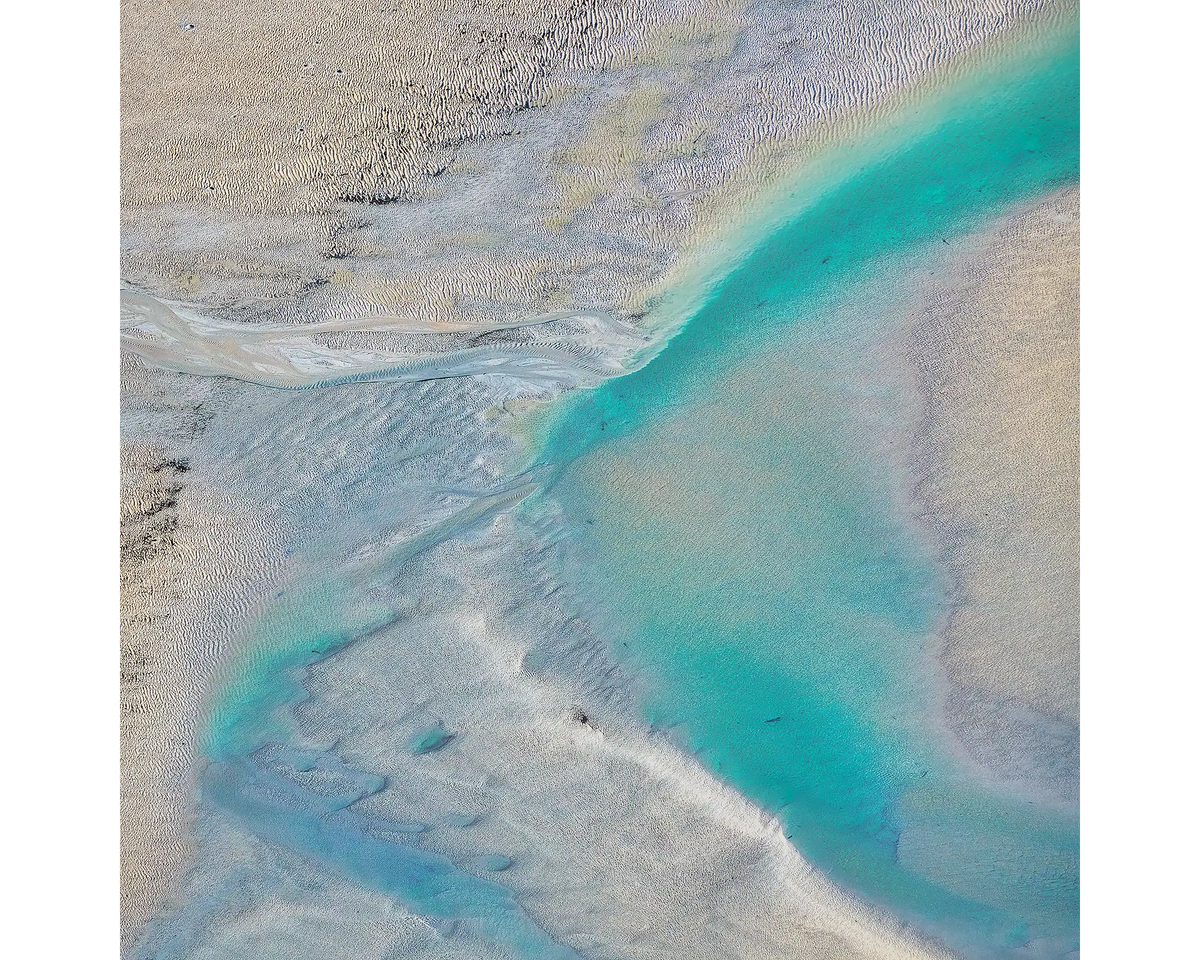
{"points": [[740, 533], [311, 620], [256, 777], [733, 499], [326, 827]]}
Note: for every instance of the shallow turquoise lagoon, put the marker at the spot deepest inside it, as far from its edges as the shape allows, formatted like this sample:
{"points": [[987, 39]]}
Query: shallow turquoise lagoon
{"points": [[739, 531]]}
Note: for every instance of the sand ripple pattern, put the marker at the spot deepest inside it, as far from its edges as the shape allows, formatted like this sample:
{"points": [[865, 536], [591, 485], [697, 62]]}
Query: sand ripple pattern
{"points": [[307, 161], [548, 783], [295, 357], [476, 201]]}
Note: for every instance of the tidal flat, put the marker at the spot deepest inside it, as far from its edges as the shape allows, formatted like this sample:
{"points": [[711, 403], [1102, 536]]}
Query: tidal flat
{"points": [[627, 512]]}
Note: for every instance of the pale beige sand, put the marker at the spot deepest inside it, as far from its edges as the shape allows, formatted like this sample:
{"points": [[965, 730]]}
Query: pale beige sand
{"points": [[616, 833], [154, 840], [191, 563], [998, 352], [475, 159], [472, 163]]}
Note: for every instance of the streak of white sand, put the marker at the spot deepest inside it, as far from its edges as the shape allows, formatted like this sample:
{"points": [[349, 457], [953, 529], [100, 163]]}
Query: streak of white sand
{"points": [[174, 338], [622, 845]]}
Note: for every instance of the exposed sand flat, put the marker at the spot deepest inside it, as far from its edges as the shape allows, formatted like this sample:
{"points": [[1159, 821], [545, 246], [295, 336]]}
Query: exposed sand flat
{"points": [[626, 254], [997, 348], [612, 832], [192, 560], [154, 839], [417, 181], [474, 161]]}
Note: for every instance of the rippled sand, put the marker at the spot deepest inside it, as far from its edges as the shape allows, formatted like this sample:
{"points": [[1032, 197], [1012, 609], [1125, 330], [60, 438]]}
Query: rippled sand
{"points": [[469, 161], [614, 835], [448, 174], [997, 347]]}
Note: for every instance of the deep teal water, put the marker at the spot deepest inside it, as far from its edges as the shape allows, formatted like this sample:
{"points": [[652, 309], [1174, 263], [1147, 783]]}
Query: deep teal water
{"points": [[732, 507]]}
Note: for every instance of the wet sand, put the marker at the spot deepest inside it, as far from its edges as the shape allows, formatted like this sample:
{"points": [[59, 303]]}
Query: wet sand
{"points": [[313, 163], [997, 350], [194, 559]]}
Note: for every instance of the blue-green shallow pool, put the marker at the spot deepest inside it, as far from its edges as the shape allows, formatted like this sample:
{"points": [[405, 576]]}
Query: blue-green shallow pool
{"points": [[732, 502]]}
